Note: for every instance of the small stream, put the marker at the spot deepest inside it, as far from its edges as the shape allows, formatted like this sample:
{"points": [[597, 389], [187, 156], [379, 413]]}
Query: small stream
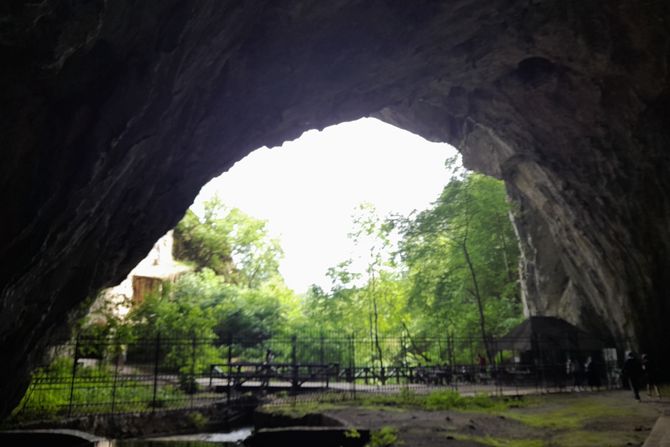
{"points": [[229, 439]]}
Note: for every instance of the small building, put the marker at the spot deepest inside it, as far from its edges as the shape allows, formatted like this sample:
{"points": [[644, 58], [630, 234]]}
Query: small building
{"points": [[147, 277], [553, 348], [549, 334]]}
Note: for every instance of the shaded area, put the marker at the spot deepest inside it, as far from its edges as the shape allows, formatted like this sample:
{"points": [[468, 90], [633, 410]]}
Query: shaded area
{"points": [[56, 438]]}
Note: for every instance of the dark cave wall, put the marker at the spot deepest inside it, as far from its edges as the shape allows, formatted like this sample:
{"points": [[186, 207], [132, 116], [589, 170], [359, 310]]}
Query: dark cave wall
{"points": [[115, 113]]}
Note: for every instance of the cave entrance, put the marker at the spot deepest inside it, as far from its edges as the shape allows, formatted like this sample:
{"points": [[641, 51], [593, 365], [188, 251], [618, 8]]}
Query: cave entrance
{"points": [[419, 306], [419, 245]]}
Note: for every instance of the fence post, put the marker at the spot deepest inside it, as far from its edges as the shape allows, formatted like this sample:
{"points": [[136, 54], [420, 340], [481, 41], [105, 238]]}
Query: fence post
{"points": [[322, 361], [450, 349], [322, 356], [193, 385], [294, 363], [353, 365], [499, 370], [230, 368], [540, 364], [471, 370], [156, 354], [452, 359], [440, 351], [74, 373], [117, 354]]}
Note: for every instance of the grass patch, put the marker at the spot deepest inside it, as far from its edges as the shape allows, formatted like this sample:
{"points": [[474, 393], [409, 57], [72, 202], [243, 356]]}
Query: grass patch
{"points": [[94, 390], [384, 437], [448, 400], [301, 408], [500, 442], [573, 415], [583, 438], [441, 400]]}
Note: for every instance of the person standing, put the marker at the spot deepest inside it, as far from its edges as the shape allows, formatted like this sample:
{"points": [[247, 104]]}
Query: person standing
{"points": [[569, 372], [482, 363], [577, 375], [592, 374], [649, 373], [632, 368], [266, 368]]}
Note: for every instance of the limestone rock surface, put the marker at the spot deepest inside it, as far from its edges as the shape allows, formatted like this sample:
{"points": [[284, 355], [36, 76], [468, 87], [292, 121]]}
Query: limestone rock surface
{"points": [[115, 113]]}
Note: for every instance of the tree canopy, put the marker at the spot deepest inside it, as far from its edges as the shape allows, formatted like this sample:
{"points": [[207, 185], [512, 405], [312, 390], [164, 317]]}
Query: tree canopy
{"points": [[233, 244], [448, 271]]}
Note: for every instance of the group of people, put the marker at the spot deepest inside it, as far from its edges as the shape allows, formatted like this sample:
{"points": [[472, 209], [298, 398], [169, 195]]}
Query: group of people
{"points": [[578, 374], [638, 372]]}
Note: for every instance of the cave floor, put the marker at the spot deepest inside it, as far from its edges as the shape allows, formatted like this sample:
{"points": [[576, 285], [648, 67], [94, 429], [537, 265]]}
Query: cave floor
{"points": [[611, 418]]}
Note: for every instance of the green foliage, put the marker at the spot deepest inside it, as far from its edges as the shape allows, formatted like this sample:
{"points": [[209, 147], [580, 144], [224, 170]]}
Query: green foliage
{"points": [[204, 307], [448, 270], [503, 442], [424, 287], [454, 273], [444, 400], [232, 244], [462, 258], [586, 438], [571, 414], [178, 316], [53, 401], [448, 399], [439, 400], [352, 433], [384, 437], [198, 420]]}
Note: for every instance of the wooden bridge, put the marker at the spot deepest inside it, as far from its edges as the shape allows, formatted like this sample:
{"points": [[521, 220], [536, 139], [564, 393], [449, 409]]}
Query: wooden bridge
{"points": [[239, 374], [295, 376]]}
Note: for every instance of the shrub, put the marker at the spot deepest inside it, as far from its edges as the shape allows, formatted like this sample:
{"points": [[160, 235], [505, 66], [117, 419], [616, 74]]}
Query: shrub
{"points": [[198, 420], [444, 400], [384, 437]]}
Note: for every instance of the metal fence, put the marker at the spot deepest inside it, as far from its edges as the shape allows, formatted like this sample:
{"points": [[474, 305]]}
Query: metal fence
{"points": [[110, 376]]}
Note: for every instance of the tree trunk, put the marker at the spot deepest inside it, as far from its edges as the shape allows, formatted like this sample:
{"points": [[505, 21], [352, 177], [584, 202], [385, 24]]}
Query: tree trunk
{"points": [[414, 346], [478, 297]]}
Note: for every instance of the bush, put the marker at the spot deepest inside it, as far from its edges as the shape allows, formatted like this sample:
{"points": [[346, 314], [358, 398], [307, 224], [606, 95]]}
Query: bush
{"points": [[188, 384], [198, 420], [444, 400], [384, 437]]}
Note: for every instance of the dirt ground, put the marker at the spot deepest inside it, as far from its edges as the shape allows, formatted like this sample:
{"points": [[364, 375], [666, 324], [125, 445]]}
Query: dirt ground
{"points": [[610, 418]]}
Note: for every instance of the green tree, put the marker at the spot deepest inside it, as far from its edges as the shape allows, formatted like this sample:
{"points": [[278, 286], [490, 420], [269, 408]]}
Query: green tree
{"points": [[371, 230], [368, 295], [202, 305], [229, 242], [462, 258]]}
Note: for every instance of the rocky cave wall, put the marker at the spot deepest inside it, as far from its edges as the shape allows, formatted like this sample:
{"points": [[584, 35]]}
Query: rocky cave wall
{"points": [[115, 113]]}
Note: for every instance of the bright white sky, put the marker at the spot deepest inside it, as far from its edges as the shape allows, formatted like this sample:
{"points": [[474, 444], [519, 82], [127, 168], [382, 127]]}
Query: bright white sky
{"points": [[308, 188]]}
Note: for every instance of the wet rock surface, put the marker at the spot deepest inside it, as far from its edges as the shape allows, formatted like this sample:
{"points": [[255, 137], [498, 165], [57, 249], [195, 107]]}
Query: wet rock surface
{"points": [[114, 114], [564, 419]]}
